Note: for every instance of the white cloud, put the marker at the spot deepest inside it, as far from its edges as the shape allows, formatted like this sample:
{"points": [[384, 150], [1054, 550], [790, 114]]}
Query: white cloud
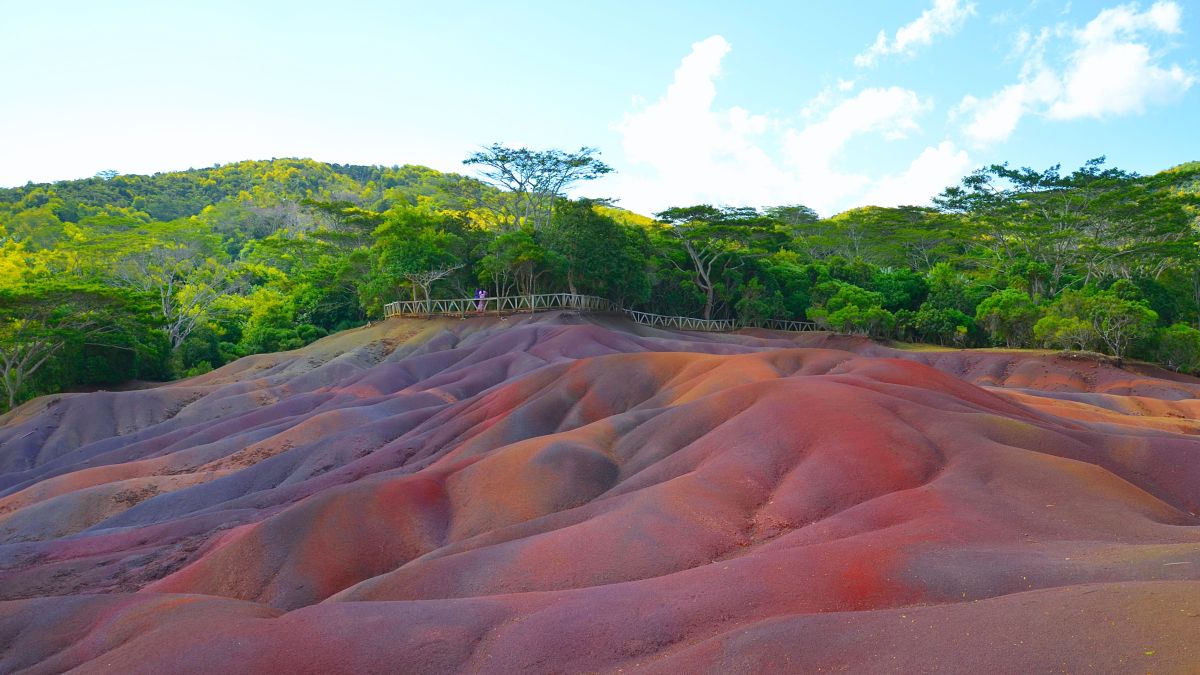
{"points": [[681, 149], [1109, 70], [935, 169], [944, 18], [1111, 73], [703, 154], [995, 118], [812, 152]]}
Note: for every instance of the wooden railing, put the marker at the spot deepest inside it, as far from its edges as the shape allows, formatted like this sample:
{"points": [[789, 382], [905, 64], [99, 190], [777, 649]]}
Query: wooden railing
{"points": [[682, 322], [500, 305], [782, 324], [544, 302]]}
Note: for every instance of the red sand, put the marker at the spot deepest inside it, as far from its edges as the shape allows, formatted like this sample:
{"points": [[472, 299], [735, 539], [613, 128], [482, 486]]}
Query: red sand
{"points": [[573, 494]]}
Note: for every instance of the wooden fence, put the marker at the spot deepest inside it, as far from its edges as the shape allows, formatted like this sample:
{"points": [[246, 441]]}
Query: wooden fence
{"points": [[505, 304], [544, 302]]}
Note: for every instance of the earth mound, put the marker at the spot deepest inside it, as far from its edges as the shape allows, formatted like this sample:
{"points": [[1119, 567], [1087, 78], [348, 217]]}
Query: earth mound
{"points": [[566, 493]]}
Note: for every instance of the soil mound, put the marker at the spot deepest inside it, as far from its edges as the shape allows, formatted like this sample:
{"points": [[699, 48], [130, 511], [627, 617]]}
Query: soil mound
{"points": [[566, 493]]}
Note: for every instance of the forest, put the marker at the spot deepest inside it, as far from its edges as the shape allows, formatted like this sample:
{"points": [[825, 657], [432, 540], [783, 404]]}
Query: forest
{"points": [[120, 279]]}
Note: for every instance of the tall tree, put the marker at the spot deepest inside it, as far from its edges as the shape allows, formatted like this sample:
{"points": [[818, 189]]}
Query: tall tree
{"points": [[413, 245], [1093, 223], [184, 283], [36, 324], [516, 261], [792, 214], [533, 179], [716, 241], [602, 257]]}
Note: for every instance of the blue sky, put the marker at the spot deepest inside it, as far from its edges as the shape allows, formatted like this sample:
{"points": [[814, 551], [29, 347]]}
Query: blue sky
{"points": [[827, 104]]}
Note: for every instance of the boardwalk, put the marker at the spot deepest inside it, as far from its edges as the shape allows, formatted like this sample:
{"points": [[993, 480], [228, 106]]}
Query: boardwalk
{"points": [[511, 304]]}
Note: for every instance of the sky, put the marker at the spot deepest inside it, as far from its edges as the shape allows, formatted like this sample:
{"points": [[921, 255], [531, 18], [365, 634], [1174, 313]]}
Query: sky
{"points": [[830, 105]]}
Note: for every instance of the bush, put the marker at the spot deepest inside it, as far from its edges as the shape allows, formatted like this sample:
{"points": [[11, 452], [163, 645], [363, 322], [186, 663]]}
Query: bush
{"points": [[851, 309], [1008, 316], [1179, 348], [198, 369], [757, 304], [1091, 319], [273, 327], [942, 326], [901, 289], [1064, 332]]}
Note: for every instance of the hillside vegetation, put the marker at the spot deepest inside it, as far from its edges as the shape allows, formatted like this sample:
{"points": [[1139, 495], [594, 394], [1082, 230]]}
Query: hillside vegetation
{"points": [[118, 278]]}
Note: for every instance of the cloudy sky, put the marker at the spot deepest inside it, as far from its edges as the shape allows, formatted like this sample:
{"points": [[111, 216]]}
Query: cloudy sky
{"points": [[831, 105]]}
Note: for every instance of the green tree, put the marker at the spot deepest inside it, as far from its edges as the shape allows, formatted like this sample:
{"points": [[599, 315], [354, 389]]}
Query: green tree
{"points": [[1064, 332], [850, 309], [1179, 348], [951, 288], [533, 180], [272, 324], [1120, 323], [515, 261], [716, 242], [1093, 222], [942, 325], [901, 288], [413, 245], [601, 256], [1104, 319], [184, 282], [758, 303], [37, 324], [1009, 316]]}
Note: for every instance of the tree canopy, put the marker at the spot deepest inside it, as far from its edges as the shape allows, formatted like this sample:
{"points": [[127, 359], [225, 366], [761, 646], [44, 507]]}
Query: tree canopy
{"points": [[122, 277]]}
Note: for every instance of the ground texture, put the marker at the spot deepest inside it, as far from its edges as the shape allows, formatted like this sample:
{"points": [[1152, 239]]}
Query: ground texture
{"points": [[567, 493]]}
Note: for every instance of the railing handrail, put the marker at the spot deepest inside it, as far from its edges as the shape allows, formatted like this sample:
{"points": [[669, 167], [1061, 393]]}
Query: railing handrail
{"points": [[553, 301]]}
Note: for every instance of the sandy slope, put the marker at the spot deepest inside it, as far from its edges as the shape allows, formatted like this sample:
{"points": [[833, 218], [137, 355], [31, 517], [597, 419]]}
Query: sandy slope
{"points": [[566, 493]]}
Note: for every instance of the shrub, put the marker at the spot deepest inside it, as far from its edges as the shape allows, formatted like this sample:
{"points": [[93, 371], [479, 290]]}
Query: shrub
{"points": [[1179, 348]]}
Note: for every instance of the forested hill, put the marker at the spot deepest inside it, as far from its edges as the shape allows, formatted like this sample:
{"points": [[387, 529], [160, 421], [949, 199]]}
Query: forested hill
{"points": [[254, 186], [116, 277]]}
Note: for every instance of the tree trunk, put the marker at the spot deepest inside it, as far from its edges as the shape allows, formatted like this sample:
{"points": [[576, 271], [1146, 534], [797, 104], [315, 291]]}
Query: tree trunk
{"points": [[11, 385]]}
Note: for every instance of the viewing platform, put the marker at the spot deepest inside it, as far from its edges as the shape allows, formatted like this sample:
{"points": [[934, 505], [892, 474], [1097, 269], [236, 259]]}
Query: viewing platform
{"points": [[545, 302]]}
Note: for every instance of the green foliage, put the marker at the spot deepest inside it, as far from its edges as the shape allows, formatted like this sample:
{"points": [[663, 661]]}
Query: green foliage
{"points": [[515, 261], [950, 288], [1122, 324], [1093, 223], [413, 248], [908, 236], [1179, 348], [532, 182], [940, 325], [1064, 332], [716, 243], [1009, 316], [758, 303], [272, 324], [1107, 320], [601, 257], [192, 269], [850, 309], [54, 333], [900, 288]]}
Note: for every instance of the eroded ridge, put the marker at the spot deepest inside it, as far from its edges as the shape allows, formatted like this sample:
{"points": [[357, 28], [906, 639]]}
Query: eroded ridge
{"points": [[581, 493]]}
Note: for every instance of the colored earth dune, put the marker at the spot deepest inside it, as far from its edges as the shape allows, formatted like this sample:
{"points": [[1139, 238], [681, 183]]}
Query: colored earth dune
{"points": [[566, 493]]}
